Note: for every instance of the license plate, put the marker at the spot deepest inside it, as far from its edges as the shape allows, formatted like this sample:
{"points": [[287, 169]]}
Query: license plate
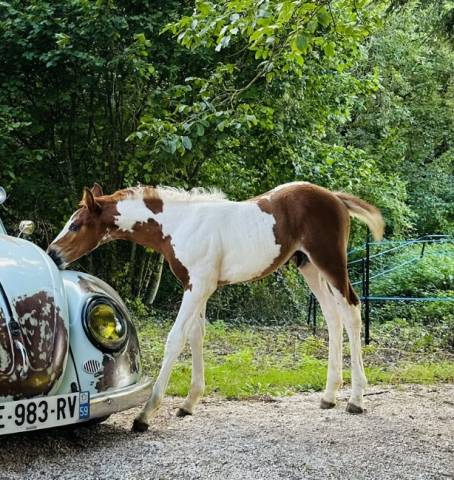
{"points": [[44, 412]]}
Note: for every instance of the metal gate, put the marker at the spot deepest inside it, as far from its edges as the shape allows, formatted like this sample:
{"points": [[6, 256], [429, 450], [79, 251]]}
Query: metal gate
{"points": [[369, 266]]}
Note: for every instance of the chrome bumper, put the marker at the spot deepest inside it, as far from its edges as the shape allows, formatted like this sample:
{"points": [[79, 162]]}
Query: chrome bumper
{"points": [[109, 402]]}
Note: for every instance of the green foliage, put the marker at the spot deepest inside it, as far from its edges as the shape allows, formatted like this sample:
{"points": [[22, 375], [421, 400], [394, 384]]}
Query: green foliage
{"points": [[429, 276], [73, 80], [279, 299], [407, 124], [408, 334], [426, 270], [422, 271]]}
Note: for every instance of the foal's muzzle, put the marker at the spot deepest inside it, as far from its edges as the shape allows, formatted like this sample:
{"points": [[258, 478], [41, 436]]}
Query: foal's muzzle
{"points": [[55, 256]]}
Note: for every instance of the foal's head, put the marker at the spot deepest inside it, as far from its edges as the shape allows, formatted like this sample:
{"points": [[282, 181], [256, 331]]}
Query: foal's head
{"points": [[87, 228]]}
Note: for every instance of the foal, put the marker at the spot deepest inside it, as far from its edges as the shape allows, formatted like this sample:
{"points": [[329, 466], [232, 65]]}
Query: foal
{"points": [[210, 241]]}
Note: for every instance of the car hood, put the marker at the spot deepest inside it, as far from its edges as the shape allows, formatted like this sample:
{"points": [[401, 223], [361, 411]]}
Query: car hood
{"points": [[33, 319]]}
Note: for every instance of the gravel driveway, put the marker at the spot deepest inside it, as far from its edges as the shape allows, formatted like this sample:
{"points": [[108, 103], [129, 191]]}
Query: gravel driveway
{"points": [[408, 433]]}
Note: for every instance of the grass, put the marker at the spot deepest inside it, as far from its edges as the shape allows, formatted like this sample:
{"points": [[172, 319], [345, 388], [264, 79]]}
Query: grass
{"points": [[250, 362]]}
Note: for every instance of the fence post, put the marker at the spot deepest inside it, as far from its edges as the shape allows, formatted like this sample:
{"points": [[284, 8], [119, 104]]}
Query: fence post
{"points": [[309, 309], [312, 313], [422, 250], [314, 324], [366, 291]]}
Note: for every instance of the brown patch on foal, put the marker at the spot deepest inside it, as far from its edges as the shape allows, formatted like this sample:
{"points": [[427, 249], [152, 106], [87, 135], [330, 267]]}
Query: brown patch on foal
{"points": [[150, 234], [317, 219], [288, 243], [154, 204]]}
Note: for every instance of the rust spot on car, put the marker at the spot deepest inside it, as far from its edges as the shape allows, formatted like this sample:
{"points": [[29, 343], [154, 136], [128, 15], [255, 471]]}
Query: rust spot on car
{"points": [[106, 377], [95, 285], [36, 315], [119, 367], [44, 338], [89, 285]]}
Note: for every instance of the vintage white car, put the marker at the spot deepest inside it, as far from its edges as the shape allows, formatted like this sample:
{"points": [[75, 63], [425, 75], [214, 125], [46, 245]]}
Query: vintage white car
{"points": [[69, 352]]}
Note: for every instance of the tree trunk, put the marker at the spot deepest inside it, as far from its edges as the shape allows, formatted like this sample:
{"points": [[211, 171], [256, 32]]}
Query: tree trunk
{"points": [[153, 286], [132, 266]]}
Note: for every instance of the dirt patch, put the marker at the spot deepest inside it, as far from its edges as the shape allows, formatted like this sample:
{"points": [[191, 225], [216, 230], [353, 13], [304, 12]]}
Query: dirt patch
{"points": [[407, 433]]}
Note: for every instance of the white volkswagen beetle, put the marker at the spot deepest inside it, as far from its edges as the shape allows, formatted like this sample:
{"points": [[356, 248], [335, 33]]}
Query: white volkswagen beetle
{"points": [[69, 352]]}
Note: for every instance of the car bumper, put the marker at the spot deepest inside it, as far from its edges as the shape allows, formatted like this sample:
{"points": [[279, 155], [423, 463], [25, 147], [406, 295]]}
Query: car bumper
{"points": [[109, 402]]}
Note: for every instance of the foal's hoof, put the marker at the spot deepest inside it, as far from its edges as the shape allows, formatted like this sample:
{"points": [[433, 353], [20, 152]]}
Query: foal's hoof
{"points": [[139, 426], [181, 412], [354, 409], [324, 405]]}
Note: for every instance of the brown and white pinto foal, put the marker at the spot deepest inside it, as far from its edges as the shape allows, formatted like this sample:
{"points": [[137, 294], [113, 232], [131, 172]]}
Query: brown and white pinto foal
{"points": [[210, 241]]}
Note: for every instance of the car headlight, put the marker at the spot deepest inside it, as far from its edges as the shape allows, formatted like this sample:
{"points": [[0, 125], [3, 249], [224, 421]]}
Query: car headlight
{"points": [[105, 324]]}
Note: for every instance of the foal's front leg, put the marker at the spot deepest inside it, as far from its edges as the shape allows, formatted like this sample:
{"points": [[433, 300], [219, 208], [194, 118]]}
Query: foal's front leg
{"points": [[191, 306], [198, 376]]}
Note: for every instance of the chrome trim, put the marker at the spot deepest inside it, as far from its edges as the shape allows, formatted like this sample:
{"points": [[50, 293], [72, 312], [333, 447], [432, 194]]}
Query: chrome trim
{"points": [[25, 360], [109, 402]]}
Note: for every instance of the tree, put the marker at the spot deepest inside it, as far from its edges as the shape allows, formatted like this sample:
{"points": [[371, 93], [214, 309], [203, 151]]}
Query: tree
{"points": [[407, 126]]}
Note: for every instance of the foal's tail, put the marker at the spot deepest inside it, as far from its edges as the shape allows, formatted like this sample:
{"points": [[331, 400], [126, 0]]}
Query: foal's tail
{"points": [[365, 212]]}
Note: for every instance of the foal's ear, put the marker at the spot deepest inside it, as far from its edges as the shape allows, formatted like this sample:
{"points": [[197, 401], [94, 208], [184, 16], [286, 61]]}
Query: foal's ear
{"points": [[89, 201], [96, 190]]}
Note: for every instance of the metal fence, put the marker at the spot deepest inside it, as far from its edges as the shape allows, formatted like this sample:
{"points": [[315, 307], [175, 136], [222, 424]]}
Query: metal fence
{"points": [[373, 263]]}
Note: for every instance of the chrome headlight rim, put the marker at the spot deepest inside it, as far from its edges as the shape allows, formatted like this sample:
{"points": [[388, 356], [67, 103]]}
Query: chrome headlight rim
{"points": [[93, 302]]}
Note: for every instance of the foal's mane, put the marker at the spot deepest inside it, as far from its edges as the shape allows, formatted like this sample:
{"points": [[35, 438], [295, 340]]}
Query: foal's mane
{"points": [[173, 194], [199, 194]]}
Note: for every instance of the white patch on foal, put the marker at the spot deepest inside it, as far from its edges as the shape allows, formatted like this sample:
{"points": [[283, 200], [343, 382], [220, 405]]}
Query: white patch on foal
{"points": [[232, 241], [132, 210], [249, 243]]}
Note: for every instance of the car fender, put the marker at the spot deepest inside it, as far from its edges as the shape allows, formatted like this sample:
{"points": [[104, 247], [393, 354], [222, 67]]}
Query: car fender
{"points": [[33, 321], [98, 370]]}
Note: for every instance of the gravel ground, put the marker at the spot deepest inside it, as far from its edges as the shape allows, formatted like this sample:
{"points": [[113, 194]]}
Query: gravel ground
{"points": [[407, 433]]}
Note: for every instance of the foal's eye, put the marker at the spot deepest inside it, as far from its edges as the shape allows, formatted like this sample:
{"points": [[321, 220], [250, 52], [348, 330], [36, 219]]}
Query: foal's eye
{"points": [[74, 227]]}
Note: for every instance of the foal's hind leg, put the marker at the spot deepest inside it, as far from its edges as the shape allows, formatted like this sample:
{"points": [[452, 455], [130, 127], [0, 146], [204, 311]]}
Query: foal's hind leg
{"points": [[331, 261], [321, 290], [350, 310], [198, 377]]}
